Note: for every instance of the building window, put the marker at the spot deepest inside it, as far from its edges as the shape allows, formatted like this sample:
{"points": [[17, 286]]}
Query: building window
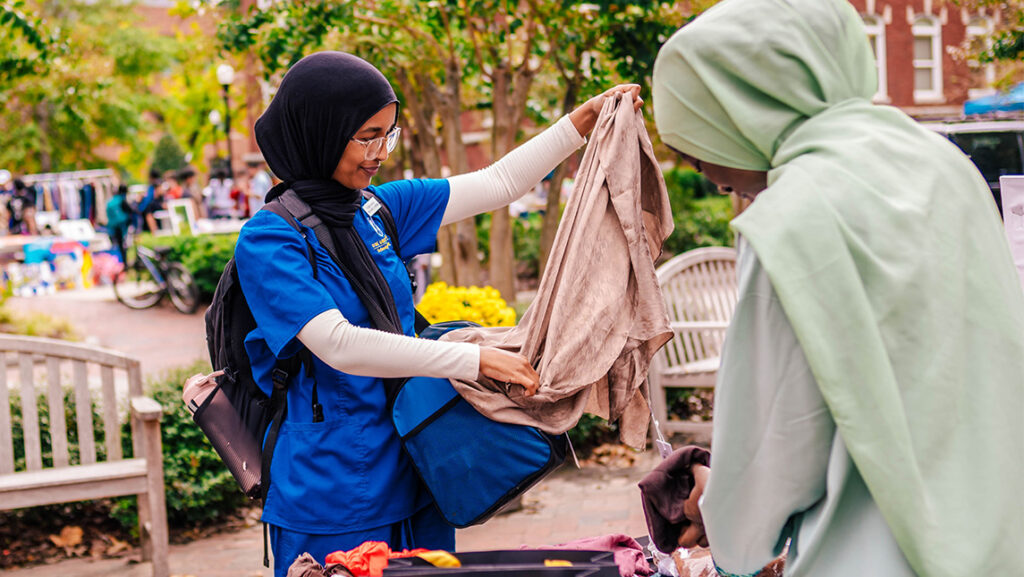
{"points": [[982, 75], [927, 60], [875, 29]]}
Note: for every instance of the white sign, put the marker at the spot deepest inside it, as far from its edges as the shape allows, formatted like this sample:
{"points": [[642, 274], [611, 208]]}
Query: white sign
{"points": [[1012, 191]]}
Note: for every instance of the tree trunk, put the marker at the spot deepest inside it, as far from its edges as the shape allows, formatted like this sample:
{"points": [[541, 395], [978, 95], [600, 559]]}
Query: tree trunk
{"points": [[502, 265], [459, 238], [43, 121], [553, 209]]}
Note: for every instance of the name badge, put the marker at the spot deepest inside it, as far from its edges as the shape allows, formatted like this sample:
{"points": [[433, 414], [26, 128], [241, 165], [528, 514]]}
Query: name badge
{"points": [[371, 206]]}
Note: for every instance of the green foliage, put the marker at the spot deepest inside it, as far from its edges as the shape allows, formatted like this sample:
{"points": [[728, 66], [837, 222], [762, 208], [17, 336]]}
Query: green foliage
{"points": [[592, 431], [82, 93], [167, 155], [526, 239], [701, 216], [205, 256], [25, 45]]}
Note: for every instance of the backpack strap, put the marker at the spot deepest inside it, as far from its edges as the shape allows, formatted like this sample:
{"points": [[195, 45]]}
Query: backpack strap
{"points": [[391, 229]]}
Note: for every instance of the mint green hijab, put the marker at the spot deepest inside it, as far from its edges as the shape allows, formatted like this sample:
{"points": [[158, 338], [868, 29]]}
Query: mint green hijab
{"points": [[886, 251]]}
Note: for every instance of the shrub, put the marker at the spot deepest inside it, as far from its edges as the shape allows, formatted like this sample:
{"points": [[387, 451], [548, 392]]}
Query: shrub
{"points": [[700, 215], [203, 255], [526, 231]]}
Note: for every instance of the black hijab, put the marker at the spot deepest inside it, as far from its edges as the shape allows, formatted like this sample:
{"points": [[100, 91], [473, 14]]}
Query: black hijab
{"points": [[322, 102]]}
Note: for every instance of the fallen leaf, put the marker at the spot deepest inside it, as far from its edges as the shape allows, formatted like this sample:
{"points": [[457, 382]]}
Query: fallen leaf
{"points": [[116, 546], [69, 539]]}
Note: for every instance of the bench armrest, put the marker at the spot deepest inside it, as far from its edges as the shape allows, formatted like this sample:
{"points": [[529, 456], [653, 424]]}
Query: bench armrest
{"points": [[146, 408]]}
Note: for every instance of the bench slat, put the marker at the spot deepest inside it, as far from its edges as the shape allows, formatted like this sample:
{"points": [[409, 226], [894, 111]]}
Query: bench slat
{"points": [[6, 426], [83, 413], [58, 423], [30, 414], [96, 481], [111, 426]]}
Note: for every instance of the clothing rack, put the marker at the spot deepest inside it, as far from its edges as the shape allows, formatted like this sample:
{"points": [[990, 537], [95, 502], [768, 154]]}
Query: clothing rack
{"points": [[76, 193], [94, 174]]}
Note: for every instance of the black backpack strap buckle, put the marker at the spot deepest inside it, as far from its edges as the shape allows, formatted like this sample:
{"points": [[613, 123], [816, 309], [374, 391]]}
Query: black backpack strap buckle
{"points": [[279, 377]]}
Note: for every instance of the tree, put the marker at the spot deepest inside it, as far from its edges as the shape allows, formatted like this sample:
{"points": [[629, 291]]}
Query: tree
{"points": [[593, 45], [1008, 38], [423, 59], [26, 47], [86, 93]]}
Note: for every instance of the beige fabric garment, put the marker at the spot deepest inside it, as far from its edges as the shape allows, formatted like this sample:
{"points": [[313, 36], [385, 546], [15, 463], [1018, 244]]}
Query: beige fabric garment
{"points": [[598, 317]]}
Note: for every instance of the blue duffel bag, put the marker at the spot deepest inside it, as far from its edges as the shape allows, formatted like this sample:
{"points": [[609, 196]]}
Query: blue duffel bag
{"points": [[471, 465]]}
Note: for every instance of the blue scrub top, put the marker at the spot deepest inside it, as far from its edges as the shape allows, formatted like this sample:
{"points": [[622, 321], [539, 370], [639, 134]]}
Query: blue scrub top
{"points": [[347, 472]]}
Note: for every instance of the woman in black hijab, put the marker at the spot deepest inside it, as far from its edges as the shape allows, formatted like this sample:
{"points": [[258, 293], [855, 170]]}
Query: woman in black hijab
{"points": [[339, 475]]}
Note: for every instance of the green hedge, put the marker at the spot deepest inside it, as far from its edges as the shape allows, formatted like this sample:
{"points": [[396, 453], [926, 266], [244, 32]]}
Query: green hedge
{"points": [[203, 255]]}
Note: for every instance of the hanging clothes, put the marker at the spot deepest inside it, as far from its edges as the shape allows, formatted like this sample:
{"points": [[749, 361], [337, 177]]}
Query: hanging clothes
{"points": [[599, 316]]}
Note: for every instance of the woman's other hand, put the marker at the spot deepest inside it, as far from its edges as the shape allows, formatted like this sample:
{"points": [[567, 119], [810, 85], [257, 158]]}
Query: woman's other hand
{"points": [[509, 368], [693, 534], [585, 117]]}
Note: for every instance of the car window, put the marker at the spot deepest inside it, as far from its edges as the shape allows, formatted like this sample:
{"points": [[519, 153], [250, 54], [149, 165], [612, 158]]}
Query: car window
{"points": [[994, 153]]}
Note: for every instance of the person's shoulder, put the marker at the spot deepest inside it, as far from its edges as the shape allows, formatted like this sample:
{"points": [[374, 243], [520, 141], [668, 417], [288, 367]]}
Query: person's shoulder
{"points": [[408, 185], [265, 223]]}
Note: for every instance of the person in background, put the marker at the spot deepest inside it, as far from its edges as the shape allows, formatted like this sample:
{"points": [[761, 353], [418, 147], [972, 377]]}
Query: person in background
{"points": [[217, 194], [143, 206], [190, 190], [259, 184], [869, 403], [21, 209], [172, 186], [119, 218]]}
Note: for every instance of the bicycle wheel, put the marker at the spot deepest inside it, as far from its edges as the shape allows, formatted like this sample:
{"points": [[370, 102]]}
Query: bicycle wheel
{"points": [[182, 289], [135, 286]]}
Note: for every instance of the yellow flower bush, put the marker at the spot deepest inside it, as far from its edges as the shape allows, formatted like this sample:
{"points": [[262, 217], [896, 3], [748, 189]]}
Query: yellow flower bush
{"points": [[482, 305]]}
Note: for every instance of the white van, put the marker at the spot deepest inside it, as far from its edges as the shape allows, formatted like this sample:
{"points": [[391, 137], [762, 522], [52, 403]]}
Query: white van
{"points": [[995, 146]]}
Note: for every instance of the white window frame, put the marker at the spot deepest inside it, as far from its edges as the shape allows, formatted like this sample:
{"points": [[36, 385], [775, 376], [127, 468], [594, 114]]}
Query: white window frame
{"points": [[874, 26], [981, 27], [929, 26]]}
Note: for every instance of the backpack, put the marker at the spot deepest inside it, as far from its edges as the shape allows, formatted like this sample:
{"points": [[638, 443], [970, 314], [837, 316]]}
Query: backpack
{"points": [[238, 415]]}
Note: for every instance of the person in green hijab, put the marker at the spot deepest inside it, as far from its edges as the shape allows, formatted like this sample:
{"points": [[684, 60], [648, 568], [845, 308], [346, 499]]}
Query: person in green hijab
{"points": [[869, 411]]}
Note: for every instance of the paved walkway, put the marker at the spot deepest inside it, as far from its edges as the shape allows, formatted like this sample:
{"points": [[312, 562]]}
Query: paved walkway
{"points": [[570, 504]]}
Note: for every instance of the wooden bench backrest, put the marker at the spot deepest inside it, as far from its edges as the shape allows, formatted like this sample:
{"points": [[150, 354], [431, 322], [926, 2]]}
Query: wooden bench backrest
{"points": [[699, 288], [20, 357]]}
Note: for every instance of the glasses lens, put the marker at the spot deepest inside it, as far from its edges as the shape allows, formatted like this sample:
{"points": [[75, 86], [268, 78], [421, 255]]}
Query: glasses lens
{"points": [[373, 148], [393, 139]]}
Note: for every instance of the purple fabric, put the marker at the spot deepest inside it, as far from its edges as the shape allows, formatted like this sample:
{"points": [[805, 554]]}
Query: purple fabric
{"points": [[629, 555]]}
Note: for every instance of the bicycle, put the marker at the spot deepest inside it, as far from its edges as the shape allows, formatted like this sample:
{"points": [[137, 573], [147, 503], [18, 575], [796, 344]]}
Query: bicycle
{"points": [[148, 276]]}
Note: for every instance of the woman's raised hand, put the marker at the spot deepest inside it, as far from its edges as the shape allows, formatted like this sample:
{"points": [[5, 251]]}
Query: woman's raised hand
{"points": [[509, 368], [585, 117]]}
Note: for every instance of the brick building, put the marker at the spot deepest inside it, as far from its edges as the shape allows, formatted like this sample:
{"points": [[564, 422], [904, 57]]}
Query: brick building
{"points": [[923, 52]]}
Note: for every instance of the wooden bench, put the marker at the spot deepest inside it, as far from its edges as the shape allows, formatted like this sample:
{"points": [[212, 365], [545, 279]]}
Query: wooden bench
{"points": [[699, 288], [38, 364]]}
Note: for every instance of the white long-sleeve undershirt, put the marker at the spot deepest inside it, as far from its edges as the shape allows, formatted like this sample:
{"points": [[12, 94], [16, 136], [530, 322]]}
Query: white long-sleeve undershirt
{"points": [[370, 352]]}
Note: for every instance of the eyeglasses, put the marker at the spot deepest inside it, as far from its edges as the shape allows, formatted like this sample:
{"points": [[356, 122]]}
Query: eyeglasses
{"points": [[375, 145]]}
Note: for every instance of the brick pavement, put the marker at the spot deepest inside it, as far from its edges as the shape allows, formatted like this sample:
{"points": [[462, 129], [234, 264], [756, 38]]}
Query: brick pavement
{"points": [[572, 503]]}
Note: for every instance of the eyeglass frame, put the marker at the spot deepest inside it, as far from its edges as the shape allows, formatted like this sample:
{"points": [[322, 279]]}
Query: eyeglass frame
{"points": [[389, 144]]}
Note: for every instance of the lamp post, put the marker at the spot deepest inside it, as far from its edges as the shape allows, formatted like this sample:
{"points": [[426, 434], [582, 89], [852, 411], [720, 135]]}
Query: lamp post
{"points": [[225, 76], [215, 120]]}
